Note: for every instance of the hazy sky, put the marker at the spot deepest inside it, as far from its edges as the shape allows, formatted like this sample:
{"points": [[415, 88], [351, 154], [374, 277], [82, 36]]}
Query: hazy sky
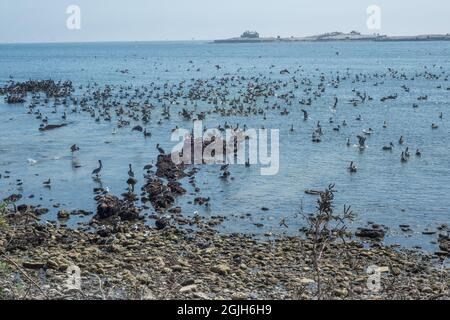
{"points": [[118, 20]]}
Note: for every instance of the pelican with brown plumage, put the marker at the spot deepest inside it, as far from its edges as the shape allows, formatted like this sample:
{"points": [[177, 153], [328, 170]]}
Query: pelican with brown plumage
{"points": [[96, 171]]}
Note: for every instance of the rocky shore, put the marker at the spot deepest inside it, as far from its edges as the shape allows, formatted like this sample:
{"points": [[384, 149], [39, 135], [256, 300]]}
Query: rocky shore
{"points": [[124, 258]]}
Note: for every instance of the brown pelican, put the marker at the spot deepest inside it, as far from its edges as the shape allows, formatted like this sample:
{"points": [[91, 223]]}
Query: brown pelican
{"points": [[161, 150], [389, 147], [130, 171], [403, 157], [225, 174], [368, 131], [305, 114], [401, 140], [74, 148], [147, 134], [407, 154], [96, 172], [148, 167], [361, 141], [352, 167], [316, 137], [335, 103]]}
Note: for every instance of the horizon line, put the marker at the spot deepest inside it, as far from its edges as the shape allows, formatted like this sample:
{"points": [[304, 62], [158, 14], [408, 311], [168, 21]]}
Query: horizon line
{"points": [[99, 41], [194, 39]]}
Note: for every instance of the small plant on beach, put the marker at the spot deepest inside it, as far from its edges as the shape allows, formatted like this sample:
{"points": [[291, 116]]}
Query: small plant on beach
{"points": [[4, 269], [324, 227], [3, 207], [3, 212]]}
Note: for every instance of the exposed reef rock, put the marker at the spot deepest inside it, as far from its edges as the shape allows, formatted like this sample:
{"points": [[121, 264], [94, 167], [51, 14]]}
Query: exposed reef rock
{"points": [[111, 206]]}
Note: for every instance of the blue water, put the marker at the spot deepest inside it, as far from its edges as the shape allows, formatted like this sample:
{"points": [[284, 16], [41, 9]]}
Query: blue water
{"points": [[383, 190]]}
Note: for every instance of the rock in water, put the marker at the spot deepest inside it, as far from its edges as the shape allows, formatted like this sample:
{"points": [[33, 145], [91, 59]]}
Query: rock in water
{"points": [[109, 206], [161, 224], [376, 234]]}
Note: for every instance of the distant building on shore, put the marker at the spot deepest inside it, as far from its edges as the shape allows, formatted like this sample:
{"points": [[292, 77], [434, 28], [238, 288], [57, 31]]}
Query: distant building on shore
{"points": [[250, 35]]}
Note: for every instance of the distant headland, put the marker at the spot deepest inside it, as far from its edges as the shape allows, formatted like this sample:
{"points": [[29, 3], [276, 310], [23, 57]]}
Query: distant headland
{"points": [[254, 37]]}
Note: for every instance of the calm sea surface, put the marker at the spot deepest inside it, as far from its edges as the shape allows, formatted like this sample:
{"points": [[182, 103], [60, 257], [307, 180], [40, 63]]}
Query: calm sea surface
{"points": [[384, 190]]}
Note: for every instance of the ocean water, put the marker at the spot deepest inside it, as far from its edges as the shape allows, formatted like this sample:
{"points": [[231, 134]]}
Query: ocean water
{"points": [[384, 190]]}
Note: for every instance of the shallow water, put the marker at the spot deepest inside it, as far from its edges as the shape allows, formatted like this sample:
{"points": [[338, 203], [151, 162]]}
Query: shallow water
{"points": [[383, 190]]}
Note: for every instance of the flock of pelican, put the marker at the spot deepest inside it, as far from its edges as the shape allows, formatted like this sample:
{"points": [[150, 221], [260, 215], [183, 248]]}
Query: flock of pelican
{"points": [[236, 94]]}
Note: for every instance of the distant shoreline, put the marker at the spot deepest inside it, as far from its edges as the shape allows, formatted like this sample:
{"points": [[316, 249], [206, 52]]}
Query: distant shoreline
{"points": [[339, 36]]}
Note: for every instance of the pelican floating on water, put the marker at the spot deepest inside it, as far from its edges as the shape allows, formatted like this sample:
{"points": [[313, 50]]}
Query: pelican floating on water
{"points": [[403, 157], [74, 148], [352, 167], [361, 142], [389, 147]]}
